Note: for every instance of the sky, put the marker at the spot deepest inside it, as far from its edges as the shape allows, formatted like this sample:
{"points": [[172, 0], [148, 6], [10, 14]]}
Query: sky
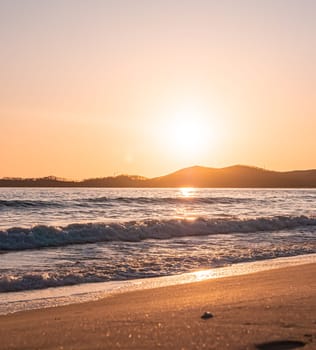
{"points": [[99, 88]]}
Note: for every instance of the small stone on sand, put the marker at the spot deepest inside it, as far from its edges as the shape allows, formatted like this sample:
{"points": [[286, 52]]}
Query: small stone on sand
{"points": [[206, 315], [281, 345]]}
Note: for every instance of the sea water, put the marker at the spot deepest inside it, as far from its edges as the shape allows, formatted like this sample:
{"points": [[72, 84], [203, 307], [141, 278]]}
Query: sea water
{"points": [[70, 237]]}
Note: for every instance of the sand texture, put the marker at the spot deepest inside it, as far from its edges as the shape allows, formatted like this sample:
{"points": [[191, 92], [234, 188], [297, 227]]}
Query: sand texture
{"points": [[267, 310]]}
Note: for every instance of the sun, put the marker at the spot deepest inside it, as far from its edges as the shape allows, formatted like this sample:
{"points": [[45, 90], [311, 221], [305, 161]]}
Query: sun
{"points": [[187, 135], [188, 132]]}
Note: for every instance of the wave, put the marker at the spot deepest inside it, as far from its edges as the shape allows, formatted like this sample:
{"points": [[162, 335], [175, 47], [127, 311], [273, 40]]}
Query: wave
{"points": [[13, 281], [108, 201], [170, 200], [19, 238], [20, 204]]}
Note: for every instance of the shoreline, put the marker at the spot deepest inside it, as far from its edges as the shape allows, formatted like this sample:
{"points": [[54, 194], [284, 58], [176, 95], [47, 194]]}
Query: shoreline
{"points": [[266, 306], [20, 301]]}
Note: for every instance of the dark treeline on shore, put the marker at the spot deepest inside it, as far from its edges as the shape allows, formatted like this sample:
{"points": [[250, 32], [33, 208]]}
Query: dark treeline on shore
{"points": [[239, 176]]}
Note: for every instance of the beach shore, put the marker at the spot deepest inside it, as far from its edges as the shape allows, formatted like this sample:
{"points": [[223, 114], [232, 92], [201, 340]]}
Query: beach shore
{"points": [[248, 311]]}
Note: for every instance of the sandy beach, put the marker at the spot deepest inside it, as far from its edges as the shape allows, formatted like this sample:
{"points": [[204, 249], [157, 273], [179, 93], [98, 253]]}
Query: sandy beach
{"points": [[274, 309]]}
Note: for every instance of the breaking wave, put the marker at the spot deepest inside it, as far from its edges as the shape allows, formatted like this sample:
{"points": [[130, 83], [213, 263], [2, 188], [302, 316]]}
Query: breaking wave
{"points": [[19, 238], [115, 271], [29, 281]]}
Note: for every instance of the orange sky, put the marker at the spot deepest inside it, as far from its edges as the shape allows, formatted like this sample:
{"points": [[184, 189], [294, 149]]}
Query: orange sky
{"points": [[96, 88]]}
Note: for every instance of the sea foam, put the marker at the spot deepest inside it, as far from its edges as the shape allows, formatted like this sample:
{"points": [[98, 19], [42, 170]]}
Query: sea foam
{"points": [[19, 238]]}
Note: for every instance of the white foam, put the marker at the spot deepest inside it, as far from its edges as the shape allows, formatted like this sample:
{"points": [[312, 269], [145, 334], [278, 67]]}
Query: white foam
{"points": [[52, 297], [18, 238]]}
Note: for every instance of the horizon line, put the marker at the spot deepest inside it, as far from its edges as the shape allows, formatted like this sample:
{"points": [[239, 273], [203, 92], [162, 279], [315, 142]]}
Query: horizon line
{"points": [[141, 177]]}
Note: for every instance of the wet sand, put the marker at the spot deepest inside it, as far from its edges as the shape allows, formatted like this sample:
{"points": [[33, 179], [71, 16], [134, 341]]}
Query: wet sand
{"points": [[267, 310]]}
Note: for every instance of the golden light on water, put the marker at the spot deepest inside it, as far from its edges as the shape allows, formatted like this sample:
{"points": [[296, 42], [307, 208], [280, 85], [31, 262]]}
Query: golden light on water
{"points": [[204, 275], [182, 211], [187, 191]]}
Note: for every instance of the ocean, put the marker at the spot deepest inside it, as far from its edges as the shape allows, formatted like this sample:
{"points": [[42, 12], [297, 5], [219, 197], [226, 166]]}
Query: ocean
{"points": [[72, 237]]}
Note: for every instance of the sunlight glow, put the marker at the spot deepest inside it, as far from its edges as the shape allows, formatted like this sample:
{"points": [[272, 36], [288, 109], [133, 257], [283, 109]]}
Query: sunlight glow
{"points": [[188, 129], [188, 135], [204, 275], [187, 191]]}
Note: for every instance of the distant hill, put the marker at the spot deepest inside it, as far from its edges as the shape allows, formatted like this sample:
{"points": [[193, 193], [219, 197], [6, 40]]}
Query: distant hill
{"points": [[52, 181], [235, 176], [197, 176]]}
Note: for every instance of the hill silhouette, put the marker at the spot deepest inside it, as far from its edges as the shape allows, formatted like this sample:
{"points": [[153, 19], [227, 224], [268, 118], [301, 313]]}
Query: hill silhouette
{"points": [[239, 176], [233, 176]]}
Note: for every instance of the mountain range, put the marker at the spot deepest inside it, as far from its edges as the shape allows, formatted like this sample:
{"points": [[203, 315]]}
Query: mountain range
{"points": [[239, 176]]}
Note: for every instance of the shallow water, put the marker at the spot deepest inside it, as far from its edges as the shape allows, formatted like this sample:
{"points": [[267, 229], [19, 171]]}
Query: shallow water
{"points": [[53, 297]]}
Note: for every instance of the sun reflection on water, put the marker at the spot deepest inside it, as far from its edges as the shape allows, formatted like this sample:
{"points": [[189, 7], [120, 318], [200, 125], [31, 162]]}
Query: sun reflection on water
{"points": [[204, 275], [184, 211], [187, 191]]}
